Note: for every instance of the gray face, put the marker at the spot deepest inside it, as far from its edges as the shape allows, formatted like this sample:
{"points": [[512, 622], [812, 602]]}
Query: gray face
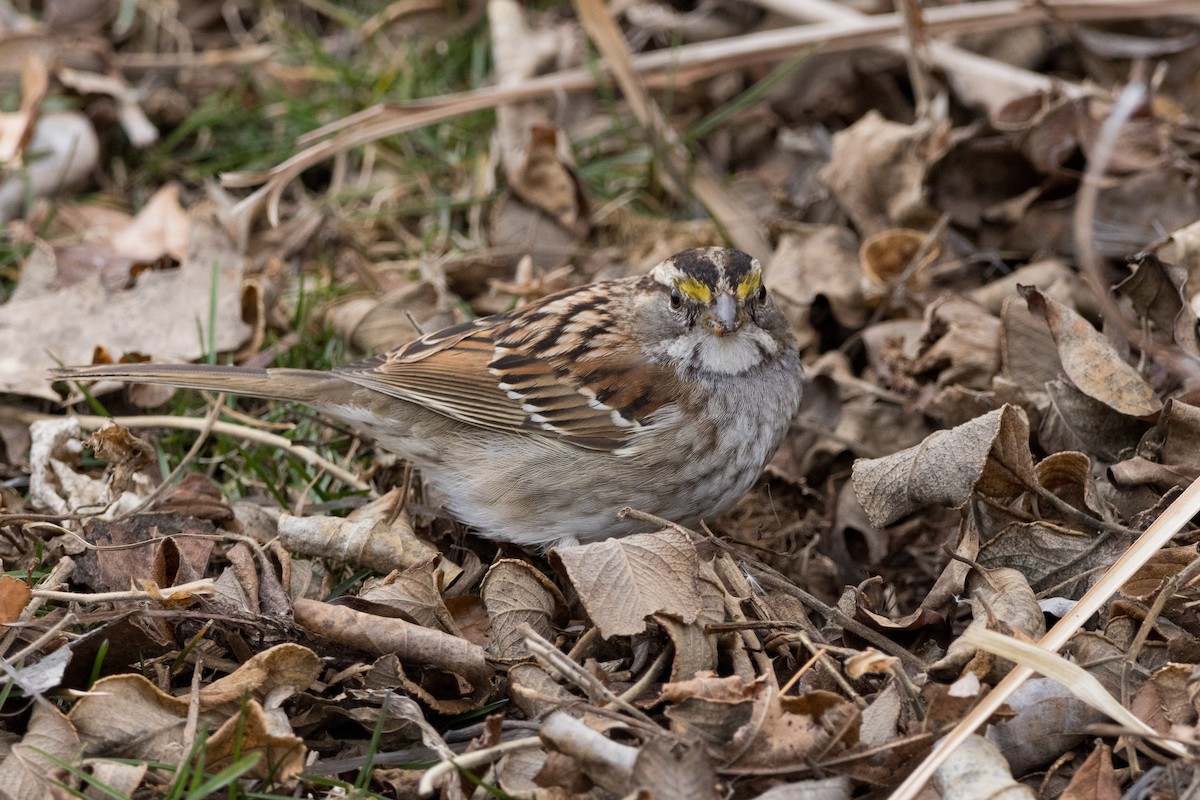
{"points": [[707, 310]]}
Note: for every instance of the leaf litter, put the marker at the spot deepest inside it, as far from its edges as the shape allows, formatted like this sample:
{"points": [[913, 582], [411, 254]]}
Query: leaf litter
{"points": [[983, 436]]}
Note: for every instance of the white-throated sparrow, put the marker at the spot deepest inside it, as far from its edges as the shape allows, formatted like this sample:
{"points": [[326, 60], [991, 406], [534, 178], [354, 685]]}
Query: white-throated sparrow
{"points": [[667, 393]]}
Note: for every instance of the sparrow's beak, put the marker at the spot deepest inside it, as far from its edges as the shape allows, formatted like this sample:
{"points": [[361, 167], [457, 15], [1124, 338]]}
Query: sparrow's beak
{"points": [[726, 316]]}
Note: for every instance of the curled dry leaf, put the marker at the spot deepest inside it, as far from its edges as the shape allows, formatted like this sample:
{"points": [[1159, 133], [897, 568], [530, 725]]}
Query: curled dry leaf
{"points": [[1075, 421], [125, 453], [1091, 361], [417, 592], [1158, 569], [127, 715], [377, 535], [1167, 455], [749, 726], [116, 564], [413, 644], [869, 662], [1157, 290], [945, 468], [817, 260], [887, 257], [1000, 599], [516, 593], [960, 344], [878, 197], [255, 731], [622, 581]]}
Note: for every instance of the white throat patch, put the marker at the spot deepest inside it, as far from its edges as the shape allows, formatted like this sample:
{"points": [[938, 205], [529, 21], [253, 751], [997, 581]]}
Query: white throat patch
{"points": [[729, 355]]}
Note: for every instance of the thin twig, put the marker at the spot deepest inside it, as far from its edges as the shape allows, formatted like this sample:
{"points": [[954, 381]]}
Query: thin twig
{"points": [[648, 676], [203, 586], [549, 655], [452, 763], [90, 422], [1183, 365]]}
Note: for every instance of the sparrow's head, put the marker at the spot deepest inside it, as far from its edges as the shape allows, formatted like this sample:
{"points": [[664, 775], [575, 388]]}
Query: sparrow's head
{"points": [[710, 311]]}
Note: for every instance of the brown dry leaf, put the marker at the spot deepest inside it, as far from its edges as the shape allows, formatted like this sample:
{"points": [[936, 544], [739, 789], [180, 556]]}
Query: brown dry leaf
{"points": [[886, 258], [869, 662], [1167, 455], [1091, 361], [1043, 128], [960, 343], [1075, 421], [127, 716], [622, 581], [711, 708], [1096, 779], [1166, 699], [376, 535], [695, 646], [14, 596], [1027, 351], [813, 726], [415, 591], [812, 261], [1001, 600], [668, 770], [125, 453], [411, 643], [282, 665], [376, 324], [877, 174], [28, 771], [1157, 291], [161, 228], [255, 731], [515, 593], [544, 178], [945, 468], [115, 566], [1049, 554], [148, 317], [123, 779], [1157, 570], [195, 496]]}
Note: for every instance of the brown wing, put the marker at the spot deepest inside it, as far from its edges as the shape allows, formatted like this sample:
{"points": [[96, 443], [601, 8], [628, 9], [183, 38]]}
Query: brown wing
{"points": [[551, 368]]}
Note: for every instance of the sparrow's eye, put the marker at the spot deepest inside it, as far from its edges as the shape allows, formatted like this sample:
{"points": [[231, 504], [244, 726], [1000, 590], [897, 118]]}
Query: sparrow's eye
{"points": [[762, 293], [676, 300]]}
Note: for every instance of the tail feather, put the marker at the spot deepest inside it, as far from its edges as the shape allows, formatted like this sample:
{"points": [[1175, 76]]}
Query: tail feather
{"points": [[305, 386]]}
